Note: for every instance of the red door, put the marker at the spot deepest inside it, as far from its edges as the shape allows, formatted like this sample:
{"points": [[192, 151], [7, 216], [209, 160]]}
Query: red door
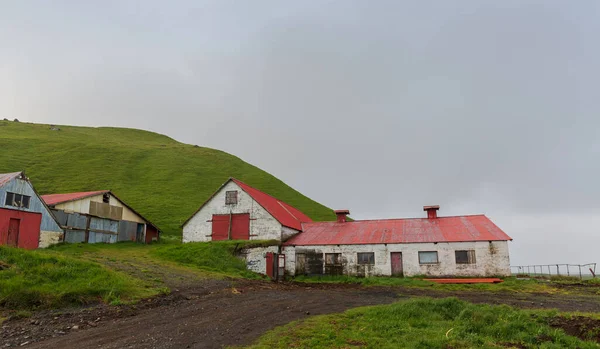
{"points": [[269, 259], [13, 232], [396, 258], [220, 227], [240, 227]]}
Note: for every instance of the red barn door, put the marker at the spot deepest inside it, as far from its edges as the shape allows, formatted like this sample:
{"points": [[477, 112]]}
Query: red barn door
{"points": [[13, 232], [236, 226]]}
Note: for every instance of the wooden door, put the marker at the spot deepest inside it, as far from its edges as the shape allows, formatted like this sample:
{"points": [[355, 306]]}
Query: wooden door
{"points": [[396, 258], [13, 232], [300, 264], [270, 260], [139, 234]]}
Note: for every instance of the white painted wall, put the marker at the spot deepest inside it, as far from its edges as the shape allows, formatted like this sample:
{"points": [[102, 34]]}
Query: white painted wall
{"points": [[256, 258], [492, 259], [287, 233], [262, 225]]}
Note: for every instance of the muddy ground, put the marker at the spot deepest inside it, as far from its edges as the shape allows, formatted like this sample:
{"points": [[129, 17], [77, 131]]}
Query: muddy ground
{"points": [[217, 313]]}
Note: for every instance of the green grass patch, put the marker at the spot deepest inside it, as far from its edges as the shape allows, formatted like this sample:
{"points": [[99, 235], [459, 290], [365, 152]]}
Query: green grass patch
{"points": [[44, 279], [215, 256], [510, 284], [166, 181], [425, 323]]}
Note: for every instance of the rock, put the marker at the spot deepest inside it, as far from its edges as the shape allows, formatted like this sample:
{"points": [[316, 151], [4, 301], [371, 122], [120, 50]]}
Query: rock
{"points": [[24, 343], [75, 327]]}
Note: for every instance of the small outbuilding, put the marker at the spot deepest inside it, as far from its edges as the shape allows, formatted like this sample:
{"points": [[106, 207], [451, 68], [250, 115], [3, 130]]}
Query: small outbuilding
{"points": [[99, 216], [25, 220]]}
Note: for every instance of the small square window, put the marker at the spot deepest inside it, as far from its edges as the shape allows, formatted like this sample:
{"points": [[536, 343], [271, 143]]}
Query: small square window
{"points": [[428, 257], [465, 257], [366, 258], [17, 200], [231, 197], [333, 258]]}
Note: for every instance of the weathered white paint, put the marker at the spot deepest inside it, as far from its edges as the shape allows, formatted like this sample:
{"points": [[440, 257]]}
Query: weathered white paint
{"points": [[492, 258], [49, 238], [287, 233], [263, 226], [256, 258], [83, 206]]}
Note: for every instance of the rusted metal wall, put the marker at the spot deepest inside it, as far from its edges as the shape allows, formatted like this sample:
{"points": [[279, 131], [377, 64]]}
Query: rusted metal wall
{"points": [[99, 230]]}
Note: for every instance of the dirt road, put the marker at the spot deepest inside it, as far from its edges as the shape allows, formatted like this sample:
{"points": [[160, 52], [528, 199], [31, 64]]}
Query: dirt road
{"points": [[217, 314]]}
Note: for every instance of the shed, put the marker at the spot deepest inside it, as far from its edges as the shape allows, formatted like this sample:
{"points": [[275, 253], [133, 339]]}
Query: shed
{"points": [[25, 220], [99, 216]]}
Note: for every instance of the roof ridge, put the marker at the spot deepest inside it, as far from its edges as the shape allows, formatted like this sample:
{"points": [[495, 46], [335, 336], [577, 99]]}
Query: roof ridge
{"points": [[399, 219]]}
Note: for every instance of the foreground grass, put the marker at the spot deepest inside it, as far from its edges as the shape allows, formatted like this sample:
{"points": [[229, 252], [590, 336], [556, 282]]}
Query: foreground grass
{"points": [[425, 323], [43, 279], [510, 284], [163, 179]]}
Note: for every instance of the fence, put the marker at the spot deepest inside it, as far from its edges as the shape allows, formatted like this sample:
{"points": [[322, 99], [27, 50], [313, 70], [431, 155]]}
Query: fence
{"points": [[576, 270]]}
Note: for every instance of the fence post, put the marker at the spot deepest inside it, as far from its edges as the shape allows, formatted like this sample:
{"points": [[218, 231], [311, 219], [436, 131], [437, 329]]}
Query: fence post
{"points": [[549, 272], [580, 276], [557, 270]]}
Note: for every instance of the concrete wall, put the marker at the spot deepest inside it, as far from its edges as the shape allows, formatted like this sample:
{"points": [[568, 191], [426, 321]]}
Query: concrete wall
{"points": [[492, 259], [83, 206], [50, 231], [255, 258], [262, 225]]}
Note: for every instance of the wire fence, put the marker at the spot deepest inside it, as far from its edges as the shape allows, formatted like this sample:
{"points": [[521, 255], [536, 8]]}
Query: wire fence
{"points": [[581, 271]]}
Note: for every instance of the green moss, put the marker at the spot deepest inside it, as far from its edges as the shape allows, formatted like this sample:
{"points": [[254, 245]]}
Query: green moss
{"points": [[166, 181]]}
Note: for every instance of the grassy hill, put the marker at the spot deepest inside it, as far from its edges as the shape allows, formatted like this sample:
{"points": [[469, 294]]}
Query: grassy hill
{"points": [[163, 179]]}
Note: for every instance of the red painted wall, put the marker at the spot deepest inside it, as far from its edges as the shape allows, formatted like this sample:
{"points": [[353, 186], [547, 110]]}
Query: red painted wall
{"points": [[151, 233], [29, 229]]}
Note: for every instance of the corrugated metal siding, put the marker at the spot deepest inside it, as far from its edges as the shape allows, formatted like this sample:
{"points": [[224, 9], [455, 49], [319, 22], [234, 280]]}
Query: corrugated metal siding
{"points": [[96, 237], [74, 236], [103, 224], [127, 231], [21, 186]]}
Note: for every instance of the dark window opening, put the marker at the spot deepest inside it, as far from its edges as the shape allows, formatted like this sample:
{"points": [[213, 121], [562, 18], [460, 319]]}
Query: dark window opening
{"points": [[428, 257], [231, 197], [366, 258], [17, 200], [465, 257], [333, 258], [106, 198]]}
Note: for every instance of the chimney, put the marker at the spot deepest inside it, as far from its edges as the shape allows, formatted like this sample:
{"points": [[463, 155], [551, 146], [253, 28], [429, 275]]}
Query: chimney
{"points": [[341, 215], [431, 211]]}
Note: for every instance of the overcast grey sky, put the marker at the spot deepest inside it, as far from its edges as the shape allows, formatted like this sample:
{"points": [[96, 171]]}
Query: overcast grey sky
{"points": [[377, 106]]}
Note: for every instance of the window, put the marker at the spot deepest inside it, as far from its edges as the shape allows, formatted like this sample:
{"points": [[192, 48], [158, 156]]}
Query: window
{"points": [[231, 197], [428, 257], [366, 258], [17, 200], [465, 257], [333, 258]]}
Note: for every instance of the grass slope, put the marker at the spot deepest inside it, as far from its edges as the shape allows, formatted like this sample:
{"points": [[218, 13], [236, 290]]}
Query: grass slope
{"points": [[43, 279], [163, 179], [425, 323]]}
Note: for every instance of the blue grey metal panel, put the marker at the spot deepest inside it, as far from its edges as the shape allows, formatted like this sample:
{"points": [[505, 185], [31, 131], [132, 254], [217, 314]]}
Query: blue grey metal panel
{"points": [[74, 236], [127, 230], [104, 224], [77, 220], [20, 186], [61, 216], [96, 237]]}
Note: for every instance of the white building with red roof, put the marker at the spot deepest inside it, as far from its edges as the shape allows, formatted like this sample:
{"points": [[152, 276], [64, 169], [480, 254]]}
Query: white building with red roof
{"points": [[470, 245]]}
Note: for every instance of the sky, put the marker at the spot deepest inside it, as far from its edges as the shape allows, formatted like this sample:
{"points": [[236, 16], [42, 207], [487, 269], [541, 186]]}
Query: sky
{"points": [[380, 107]]}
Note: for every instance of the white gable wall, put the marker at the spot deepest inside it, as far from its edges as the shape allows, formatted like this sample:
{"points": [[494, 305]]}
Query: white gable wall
{"points": [[263, 226], [83, 206], [492, 259]]}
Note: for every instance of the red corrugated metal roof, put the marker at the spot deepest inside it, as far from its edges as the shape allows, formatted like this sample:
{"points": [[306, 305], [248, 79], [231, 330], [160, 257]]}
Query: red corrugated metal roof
{"points": [[53, 199], [410, 230], [5, 177], [287, 215]]}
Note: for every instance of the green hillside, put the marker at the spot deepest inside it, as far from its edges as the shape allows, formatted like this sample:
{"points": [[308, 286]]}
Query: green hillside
{"points": [[163, 179]]}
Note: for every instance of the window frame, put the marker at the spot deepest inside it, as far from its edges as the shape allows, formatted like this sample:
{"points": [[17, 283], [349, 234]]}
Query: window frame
{"points": [[471, 258], [17, 198], [437, 258], [337, 258], [229, 200], [371, 259]]}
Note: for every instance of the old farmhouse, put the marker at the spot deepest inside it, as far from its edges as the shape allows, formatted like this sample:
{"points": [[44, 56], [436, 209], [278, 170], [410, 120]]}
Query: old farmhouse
{"points": [[470, 245], [25, 220], [99, 216]]}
